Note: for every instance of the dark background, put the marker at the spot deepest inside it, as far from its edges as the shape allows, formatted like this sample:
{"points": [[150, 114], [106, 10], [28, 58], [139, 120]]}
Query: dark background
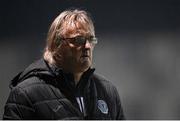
{"points": [[138, 49]]}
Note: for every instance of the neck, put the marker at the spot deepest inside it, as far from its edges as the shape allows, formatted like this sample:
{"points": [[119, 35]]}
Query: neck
{"points": [[77, 77]]}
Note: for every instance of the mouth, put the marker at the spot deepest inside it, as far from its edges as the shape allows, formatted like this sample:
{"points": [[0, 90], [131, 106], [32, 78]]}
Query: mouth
{"points": [[85, 56]]}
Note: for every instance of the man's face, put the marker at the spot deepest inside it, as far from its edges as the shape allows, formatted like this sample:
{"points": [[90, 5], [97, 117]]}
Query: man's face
{"points": [[77, 51]]}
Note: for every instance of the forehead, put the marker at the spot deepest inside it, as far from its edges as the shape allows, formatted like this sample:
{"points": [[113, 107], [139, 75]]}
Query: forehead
{"points": [[76, 28]]}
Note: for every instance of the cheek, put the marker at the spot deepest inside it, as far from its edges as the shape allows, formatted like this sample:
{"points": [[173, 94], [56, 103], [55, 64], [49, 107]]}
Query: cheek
{"points": [[67, 54], [76, 53], [91, 52]]}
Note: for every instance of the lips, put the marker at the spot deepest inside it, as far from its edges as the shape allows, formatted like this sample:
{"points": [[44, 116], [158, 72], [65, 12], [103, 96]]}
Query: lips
{"points": [[85, 56]]}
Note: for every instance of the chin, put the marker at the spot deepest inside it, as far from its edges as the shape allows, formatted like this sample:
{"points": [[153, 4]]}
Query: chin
{"points": [[85, 67]]}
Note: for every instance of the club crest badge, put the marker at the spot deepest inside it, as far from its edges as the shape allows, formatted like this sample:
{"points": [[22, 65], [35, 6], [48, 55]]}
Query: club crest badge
{"points": [[102, 106]]}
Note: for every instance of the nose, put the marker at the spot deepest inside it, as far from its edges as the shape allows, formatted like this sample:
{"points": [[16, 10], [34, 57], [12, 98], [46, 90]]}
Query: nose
{"points": [[87, 44]]}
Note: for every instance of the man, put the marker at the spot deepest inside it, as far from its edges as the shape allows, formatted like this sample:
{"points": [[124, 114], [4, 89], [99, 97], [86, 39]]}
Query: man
{"points": [[63, 85]]}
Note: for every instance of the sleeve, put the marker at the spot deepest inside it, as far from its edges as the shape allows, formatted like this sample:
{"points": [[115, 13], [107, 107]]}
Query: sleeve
{"points": [[18, 105], [120, 114]]}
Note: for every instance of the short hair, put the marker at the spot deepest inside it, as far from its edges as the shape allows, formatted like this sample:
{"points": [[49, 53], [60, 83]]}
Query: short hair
{"points": [[65, 21]]}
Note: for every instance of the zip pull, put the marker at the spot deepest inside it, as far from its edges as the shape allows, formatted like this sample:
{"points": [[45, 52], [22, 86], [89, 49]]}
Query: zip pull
{"points": [[80, 101]]}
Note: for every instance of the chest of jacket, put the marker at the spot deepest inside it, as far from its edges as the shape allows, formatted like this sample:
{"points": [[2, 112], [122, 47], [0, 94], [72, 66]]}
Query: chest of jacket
{"points": [[52, 103]]}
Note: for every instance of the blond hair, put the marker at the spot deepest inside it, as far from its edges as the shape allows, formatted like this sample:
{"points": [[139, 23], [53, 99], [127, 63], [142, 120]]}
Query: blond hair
{"points": [[66, 21]]}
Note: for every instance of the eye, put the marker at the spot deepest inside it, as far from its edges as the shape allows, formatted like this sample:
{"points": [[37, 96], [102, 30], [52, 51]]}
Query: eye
{"points": [[80, 40], [93, 40]]}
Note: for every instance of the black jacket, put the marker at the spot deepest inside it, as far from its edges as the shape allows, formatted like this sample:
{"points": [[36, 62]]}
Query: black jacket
{"points": [[42, 91]]}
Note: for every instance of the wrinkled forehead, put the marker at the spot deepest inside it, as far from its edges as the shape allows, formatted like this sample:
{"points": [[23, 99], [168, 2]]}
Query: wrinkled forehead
{"points": [[76, 28]]}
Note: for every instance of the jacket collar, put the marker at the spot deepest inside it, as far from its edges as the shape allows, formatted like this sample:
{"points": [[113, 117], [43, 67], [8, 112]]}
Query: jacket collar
{"points": [[68, 78]]}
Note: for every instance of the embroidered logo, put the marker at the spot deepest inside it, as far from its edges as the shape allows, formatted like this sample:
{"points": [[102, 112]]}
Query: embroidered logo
{"points": [[102, 106], [57, 108]]}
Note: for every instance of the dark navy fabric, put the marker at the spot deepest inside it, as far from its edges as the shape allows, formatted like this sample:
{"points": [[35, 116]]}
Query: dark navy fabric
{"points": [[42, 91]]}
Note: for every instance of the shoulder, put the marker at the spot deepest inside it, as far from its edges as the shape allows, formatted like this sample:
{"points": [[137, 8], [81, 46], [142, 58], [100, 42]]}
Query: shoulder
{"points": [[33, 86], [101, 80], [37, 90], [29, 86], [30, 83], [103, 84]]}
